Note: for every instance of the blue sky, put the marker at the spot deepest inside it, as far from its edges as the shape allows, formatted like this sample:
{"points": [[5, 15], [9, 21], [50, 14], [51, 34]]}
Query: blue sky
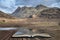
{"points": [[9, 6]]}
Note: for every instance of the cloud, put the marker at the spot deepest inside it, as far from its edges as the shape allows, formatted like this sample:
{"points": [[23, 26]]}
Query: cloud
{"points": [[34, 2], [7, 3], [56, 5], [9, 6]]}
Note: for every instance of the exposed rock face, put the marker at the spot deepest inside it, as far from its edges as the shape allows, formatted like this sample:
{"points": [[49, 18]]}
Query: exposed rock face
{"points": [[26, 12], [17, 10], [50, 13], [33, 16], [38, 11], [39, 7], [4, 15]]}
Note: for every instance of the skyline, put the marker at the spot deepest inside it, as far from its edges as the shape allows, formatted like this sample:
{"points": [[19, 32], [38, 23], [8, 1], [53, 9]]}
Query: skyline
{"points": [[9, 6]]}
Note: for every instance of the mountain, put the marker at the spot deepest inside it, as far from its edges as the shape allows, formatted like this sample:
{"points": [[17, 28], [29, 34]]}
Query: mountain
{"points": [[17, 10], [4, 15], [39, 7], [38, 11], [50, 13], [26, 12]]}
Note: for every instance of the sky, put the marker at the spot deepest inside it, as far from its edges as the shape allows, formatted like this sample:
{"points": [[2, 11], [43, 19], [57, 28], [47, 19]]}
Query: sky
{"points": [[8, 6]]}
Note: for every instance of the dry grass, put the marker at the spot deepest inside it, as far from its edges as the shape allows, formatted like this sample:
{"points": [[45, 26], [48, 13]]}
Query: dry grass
{"points": [[28, 22]]}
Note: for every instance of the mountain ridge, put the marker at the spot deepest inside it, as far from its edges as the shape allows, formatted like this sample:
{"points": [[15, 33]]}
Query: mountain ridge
{"points": [[5, 15], [25, 12]]}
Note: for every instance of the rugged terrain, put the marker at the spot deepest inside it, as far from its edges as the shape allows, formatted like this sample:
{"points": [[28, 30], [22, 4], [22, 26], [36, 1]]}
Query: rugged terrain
{"points": [[5, 15], [40, 11], [40, 18], [26, 12]]}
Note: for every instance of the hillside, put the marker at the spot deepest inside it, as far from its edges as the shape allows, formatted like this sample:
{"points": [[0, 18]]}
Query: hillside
{"points": [[25, 12], [40, 11], [50, 13], [39, 7], [4, 15]]}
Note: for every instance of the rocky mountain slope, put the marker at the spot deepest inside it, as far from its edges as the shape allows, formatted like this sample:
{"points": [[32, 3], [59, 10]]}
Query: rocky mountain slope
{"points": [[39, 11], [50, 13], [25, 12], [39, 7], [4, 15]]}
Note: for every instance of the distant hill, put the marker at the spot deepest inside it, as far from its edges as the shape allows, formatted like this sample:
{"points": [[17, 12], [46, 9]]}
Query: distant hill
{"points": [[40, 10], [25, 12], [17, 10], [50, 13], [39, 7], [4, 15]]}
